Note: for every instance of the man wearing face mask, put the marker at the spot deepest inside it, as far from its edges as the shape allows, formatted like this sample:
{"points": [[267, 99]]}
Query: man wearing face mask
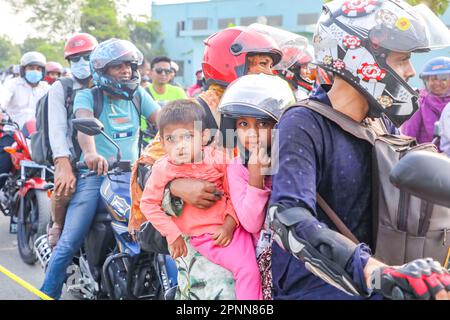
{"points": [[77, 51], [53, 71], [21, 94]]}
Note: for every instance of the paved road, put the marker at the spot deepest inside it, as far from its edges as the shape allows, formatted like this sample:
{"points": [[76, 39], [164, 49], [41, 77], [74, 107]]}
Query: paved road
{"points": [[10, 259]]}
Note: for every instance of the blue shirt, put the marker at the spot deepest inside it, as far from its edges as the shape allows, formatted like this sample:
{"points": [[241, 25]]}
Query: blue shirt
{"points": [[121, 121], [316, 155]]}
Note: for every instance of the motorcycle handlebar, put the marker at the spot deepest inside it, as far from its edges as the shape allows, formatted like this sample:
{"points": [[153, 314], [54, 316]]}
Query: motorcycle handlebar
{"points": [[81, 165], [113, 167], [9, 123]]}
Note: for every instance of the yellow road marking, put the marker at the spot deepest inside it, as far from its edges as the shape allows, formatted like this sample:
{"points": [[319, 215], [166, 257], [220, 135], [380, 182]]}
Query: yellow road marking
{"points": [[24, 284]]}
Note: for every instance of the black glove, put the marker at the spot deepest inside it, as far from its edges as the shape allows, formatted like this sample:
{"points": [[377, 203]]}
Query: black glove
{"points": [[420, 279]]}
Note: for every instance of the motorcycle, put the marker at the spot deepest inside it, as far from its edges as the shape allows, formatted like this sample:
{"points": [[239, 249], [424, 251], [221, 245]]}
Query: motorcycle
{"points": [[111, 264], [24, 195]]}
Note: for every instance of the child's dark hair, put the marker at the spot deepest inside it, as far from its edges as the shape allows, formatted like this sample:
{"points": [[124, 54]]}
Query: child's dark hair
{"points": [[181, 111]]}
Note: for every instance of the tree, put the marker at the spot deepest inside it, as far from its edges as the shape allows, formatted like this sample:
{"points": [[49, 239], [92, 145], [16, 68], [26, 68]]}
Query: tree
{"points": [[438, 6], [52, 50], [9, 53], [57, 19], [53, 18], [146, 35], [99, 18]]}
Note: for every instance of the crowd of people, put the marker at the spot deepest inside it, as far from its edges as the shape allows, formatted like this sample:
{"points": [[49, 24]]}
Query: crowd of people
{"points": [[242, 157]]}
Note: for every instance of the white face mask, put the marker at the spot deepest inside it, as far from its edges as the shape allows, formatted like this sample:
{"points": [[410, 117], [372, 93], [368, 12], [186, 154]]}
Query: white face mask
{"points": [[81, 69]]}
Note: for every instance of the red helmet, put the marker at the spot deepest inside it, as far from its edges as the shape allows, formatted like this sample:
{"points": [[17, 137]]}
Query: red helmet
{"points": [[226, 52], [79, 43], [53, 66]]}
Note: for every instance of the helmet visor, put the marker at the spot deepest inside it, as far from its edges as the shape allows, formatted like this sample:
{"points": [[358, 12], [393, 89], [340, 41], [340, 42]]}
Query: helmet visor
{"points": [[252, 41], [292, 45], [408, 29], [115, 50], [293, 51]]}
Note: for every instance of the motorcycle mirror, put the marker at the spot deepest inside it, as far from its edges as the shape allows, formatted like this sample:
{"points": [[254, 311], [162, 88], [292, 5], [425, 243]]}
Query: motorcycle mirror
{"points": [[425, 175], [89, 126], [93, 127]]}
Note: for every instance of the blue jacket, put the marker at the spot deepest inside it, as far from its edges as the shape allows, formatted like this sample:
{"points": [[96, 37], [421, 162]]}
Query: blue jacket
{"points": [[316, 155]]}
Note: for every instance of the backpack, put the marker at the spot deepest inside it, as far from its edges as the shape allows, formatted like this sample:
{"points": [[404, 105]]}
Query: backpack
{"points": [[405, 227], [40, 142]]}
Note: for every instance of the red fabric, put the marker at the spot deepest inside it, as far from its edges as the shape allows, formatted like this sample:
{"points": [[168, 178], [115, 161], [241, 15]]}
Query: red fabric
{"points": [[192, 221]]}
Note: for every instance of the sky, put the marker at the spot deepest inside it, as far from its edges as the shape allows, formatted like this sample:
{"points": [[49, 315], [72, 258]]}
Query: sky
{"points": [[12, 25], [17, 29]]}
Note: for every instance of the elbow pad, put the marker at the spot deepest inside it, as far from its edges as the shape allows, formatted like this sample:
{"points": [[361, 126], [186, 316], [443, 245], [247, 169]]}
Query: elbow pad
{"points": [[324, 252]]}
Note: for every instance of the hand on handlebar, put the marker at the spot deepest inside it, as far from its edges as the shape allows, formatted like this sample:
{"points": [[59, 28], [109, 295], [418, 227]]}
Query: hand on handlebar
{"points": [[421, 279], [96, 162]]}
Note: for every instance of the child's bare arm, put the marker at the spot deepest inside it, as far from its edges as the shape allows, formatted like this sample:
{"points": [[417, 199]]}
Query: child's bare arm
{"points": [[224, 234], [178, 248]]}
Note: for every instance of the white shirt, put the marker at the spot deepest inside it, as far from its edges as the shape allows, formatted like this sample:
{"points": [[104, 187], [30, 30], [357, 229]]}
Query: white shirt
{"points": [[19, 99], [444, 123], [60, 128]]}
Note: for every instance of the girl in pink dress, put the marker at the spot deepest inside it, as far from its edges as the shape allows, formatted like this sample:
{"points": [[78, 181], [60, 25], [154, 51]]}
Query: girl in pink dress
{"points": [[250, 108]]}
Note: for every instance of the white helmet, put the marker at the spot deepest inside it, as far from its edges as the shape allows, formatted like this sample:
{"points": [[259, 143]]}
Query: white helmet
{"points": [[174, 66], [32, 58], [259, 96]]}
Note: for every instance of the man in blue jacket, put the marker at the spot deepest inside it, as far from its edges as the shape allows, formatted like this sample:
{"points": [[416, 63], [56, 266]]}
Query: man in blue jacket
{"points": [[367, 45]]}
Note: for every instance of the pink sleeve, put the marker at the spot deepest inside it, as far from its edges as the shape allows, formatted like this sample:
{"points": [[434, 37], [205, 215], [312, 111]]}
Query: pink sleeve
{"points": [[249, 202], [151, 205]]}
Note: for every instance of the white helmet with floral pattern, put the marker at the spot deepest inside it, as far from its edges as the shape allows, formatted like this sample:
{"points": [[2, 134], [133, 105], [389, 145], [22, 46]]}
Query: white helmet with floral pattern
{"points": [[354, 37]]}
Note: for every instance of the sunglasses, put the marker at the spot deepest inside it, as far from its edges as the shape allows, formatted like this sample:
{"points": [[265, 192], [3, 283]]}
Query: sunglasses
{"points": [[161, 70], [77, 58]]}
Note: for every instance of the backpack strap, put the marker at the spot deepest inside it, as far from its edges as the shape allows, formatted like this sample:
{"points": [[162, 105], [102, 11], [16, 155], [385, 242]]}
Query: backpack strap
{"points": [[67, 85], [359, 130], [150, 92], [342, 228], [137, 104], [97, 94]]}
